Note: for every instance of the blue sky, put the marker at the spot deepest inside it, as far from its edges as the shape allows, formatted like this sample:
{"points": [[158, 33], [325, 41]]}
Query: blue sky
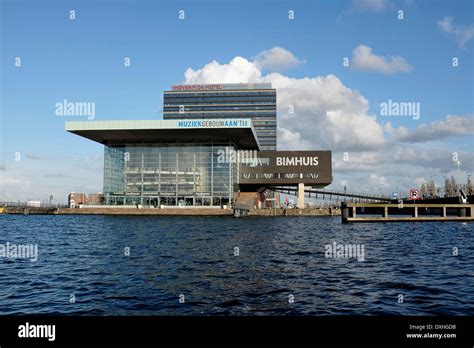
{"points": [[82, 60]]}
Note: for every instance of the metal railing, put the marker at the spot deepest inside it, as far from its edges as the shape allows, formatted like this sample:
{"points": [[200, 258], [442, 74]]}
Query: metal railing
{"points": [[329, 194]]}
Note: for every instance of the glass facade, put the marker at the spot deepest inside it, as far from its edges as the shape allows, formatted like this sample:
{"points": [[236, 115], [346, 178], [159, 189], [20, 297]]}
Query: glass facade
{"points": [[258, 104], [168, 174]]}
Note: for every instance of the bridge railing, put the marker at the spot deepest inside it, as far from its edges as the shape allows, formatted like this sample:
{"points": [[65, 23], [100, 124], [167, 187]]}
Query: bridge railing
{"points": [[334, 193]]}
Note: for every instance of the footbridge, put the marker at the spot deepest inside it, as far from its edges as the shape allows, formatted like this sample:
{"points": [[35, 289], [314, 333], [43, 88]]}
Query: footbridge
{"points": [[301, 191]]}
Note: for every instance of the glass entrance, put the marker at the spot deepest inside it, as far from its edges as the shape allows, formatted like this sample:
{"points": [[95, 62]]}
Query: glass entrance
{"points": [[200, 201], [189, 201]]}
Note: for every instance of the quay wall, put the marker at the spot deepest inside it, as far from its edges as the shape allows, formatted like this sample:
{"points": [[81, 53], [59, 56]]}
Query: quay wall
{"points": [[171, 211]]}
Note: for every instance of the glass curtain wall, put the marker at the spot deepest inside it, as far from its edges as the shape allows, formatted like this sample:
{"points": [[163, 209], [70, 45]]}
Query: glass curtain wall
{"points": [[168, 174], [259, 105]]}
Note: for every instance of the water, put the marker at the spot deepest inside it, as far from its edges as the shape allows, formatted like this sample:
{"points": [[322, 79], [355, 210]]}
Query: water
{"points": [[194, 256]]}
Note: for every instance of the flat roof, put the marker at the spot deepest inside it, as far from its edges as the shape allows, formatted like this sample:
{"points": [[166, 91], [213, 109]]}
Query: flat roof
{"points": [[220, 86], [239, 130]]}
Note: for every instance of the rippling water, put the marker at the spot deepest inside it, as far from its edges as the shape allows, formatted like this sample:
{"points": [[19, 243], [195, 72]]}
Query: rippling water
{"points": [[194, 256]]}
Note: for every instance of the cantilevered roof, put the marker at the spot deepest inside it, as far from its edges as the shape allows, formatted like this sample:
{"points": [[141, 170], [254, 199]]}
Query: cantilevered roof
{"points": [[240, 131]]}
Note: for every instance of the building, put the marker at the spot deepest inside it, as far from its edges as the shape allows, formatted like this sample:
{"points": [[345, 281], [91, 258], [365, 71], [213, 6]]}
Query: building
{"points": [[78, 199], [94, 199], [256, 101], [192, 162], [75, 199], [35, 204]]}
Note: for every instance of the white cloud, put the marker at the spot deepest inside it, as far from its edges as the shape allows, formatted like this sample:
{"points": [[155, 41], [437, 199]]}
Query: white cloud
{"points": [[355, 161], [402, 166], [462, 34], [238, 70], [39, 157], [420, 181], [327, 114], [291, 140], [364, 59], [276, 58], [15, 185], [330, 115], [452, 125], [37, 180], [378, 181], [370, 5], [395, 132]]}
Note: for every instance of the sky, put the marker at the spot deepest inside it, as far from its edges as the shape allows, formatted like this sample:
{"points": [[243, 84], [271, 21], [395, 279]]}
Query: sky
{"points": [[340, 68]]}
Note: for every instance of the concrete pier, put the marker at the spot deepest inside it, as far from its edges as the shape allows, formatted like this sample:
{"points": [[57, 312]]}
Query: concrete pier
{"points": [[364, 212]]}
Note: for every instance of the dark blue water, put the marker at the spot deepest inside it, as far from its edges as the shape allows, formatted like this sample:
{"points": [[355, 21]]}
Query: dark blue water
{"points": [[194, 256]]}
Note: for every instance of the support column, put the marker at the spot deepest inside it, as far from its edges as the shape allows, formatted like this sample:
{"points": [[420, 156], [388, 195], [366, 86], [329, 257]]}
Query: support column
{"points": [[344, 212], [300, 196], [212, 173], [141, 178]]}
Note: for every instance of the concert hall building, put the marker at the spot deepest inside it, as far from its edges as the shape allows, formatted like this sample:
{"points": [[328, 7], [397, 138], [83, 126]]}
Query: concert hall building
{"points": [[206, 157]]}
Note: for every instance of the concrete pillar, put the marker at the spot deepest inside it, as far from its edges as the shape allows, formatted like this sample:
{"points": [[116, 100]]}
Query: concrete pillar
{"points": [[300, 196], [415, 212], [385, 212], [344, 212]]}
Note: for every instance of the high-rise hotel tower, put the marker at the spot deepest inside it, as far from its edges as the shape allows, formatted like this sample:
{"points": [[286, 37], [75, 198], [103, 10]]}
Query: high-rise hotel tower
{"points": [[256, 101]]}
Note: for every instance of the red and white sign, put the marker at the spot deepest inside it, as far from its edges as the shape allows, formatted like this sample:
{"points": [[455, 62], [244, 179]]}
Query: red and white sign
{"points": [[195, 87], [414, 194]]}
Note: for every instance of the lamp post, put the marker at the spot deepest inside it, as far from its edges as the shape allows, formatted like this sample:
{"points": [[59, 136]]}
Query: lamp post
{"points": [[458, 164]]}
